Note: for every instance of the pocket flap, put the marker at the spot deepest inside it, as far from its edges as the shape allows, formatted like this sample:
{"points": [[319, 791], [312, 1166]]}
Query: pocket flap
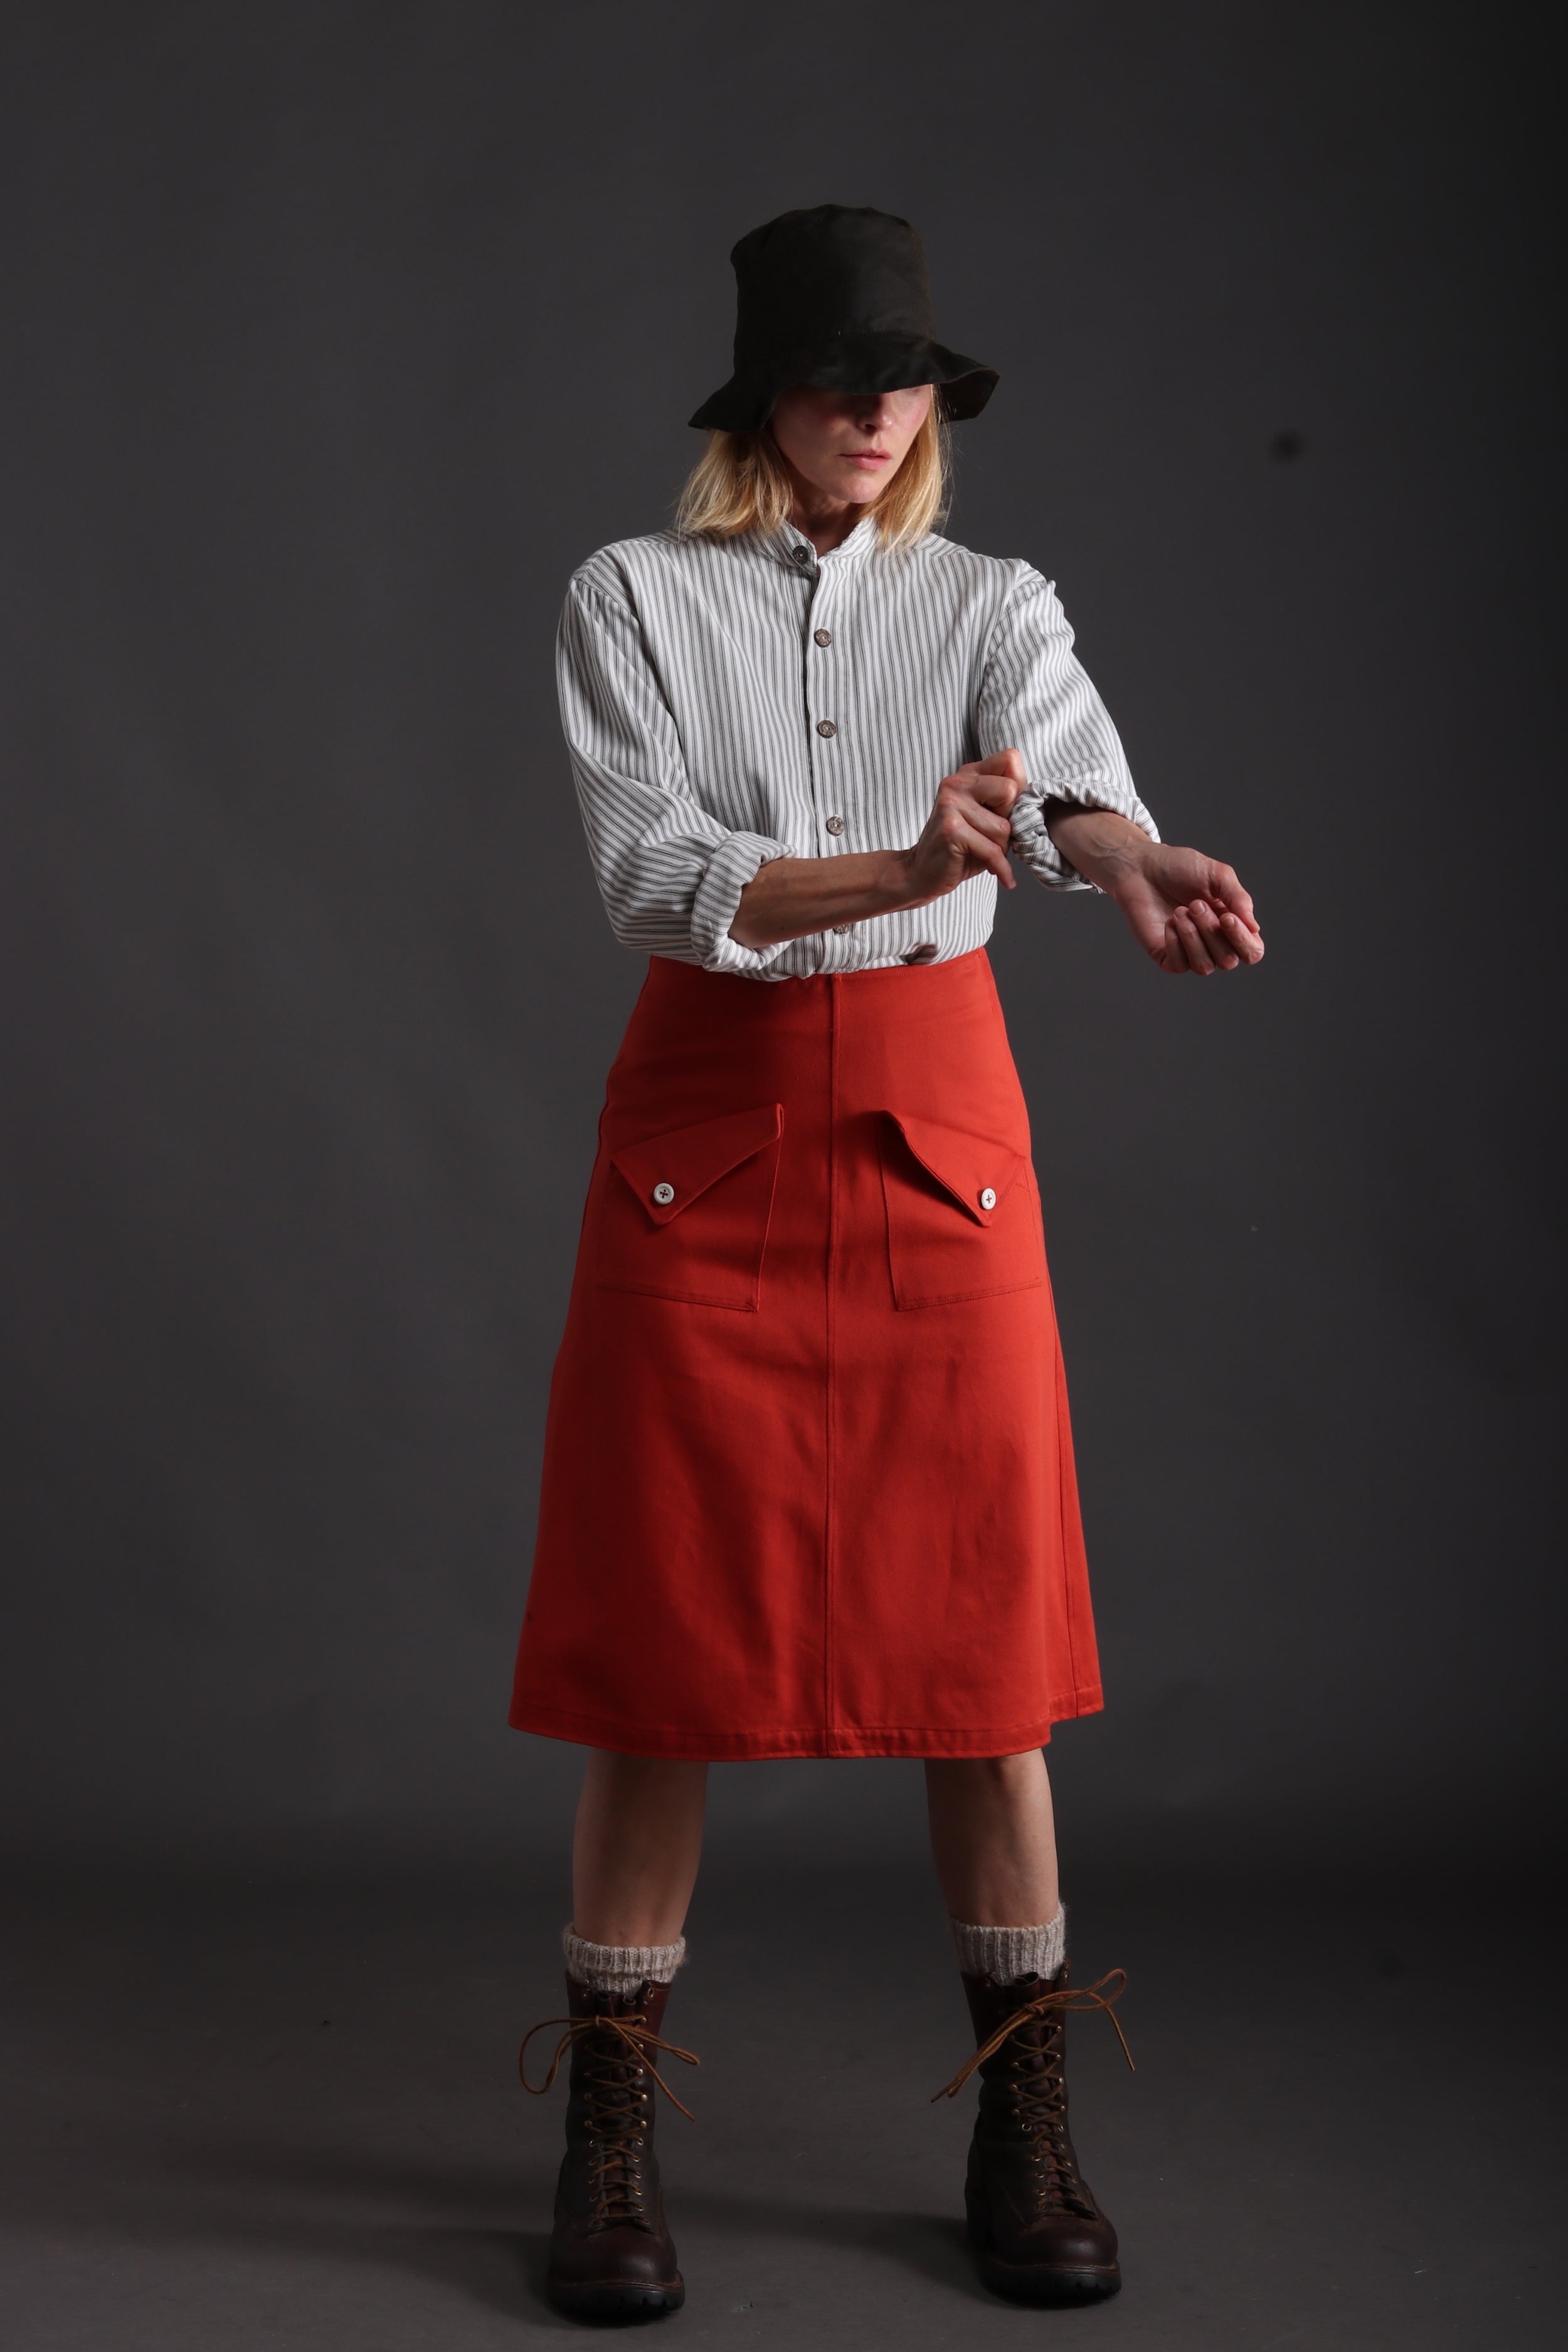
{"points": [[977, 1173], [669, 1172]]}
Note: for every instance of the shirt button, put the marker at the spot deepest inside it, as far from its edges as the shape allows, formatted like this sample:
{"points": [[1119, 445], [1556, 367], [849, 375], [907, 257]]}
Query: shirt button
{"points": [[826, 726], [664, 1194], [836, 824], [802, 555], [823, 636], [988, 1199]]}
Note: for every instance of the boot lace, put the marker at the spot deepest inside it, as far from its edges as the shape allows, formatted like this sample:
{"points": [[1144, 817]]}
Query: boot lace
{"points": [[1036, 2082], [617, 2052]]}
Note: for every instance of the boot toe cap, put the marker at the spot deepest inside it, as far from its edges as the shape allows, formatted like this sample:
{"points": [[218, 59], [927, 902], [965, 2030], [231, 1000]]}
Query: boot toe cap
{"points": [[1062, 2258], [618, 2272]]}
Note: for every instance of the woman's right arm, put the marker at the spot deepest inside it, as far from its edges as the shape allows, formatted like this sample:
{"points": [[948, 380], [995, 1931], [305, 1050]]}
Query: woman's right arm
{"points": [[966, 834], [675, 880], [671, 875]]}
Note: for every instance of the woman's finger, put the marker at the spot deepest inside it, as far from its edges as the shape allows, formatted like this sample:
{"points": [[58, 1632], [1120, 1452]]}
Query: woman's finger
{"points": [[1008, 763], [1244, 938], [1173, 960], [1198, 957], [994, 854], [996, 782], [1225, 891], [1239, 938], [992, 823], [978, 849], [958, 797], [1232, 941], [1215, 938]]}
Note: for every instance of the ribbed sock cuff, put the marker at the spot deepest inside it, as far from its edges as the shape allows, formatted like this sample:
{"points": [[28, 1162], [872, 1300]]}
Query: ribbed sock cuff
{"points": [[1005, 1954], [621, 1968]]}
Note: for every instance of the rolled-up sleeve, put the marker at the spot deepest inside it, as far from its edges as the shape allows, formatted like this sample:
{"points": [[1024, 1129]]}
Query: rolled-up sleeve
{"points": [[670, 875], [1034, 695]]}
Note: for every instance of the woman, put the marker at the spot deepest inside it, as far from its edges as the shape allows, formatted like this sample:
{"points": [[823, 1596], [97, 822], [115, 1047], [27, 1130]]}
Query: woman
{"points": [[808, 1484]]}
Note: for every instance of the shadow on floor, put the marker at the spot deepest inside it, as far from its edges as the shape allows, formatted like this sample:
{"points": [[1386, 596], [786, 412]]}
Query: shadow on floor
{"points": [[191, 2155], [254, 2198]]}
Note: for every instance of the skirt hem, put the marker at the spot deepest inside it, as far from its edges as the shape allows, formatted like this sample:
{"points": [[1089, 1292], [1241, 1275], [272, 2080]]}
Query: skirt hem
{"points": [[759, 1747]]}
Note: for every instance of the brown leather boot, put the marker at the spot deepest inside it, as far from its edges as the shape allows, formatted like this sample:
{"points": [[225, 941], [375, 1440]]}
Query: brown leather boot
{"points": [[611, 2254], [1038, 2233]]}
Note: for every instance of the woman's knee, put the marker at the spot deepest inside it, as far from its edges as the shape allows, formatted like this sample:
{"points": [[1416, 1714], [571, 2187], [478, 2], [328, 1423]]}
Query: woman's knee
{"points": [[987, 1776], [644, 1780]]}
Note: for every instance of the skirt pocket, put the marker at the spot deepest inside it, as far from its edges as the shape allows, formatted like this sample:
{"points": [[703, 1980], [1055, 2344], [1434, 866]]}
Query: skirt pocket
{"points": [[685, 1213], [961, 1216]]}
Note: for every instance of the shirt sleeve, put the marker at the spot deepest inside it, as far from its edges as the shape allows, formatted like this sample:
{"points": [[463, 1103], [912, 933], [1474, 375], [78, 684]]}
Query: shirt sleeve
{"points": [[670, 875], [1036, 697]]}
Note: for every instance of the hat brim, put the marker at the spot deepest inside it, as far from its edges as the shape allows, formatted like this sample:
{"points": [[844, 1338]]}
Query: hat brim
{"points": [[879, 363]]}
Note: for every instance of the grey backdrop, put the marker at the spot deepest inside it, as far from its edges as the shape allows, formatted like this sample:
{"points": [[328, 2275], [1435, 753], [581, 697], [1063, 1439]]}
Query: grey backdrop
{"points": [[333, 336]]}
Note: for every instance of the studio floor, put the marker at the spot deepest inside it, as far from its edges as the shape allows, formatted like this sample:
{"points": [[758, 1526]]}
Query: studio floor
{"points": [[243, 2115]]}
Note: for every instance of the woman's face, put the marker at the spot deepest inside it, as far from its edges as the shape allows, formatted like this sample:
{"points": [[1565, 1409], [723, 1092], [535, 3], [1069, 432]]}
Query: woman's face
{"points": [[847, 445]]}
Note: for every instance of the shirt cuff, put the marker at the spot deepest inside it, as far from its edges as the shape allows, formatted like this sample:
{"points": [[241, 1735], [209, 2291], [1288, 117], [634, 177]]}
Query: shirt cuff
{"points": [[1033, 844], [734, 864]]}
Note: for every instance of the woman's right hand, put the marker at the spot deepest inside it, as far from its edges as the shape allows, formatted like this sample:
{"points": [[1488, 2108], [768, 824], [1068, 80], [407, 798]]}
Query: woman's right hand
{"points": [[966, 834], [968, 829]]}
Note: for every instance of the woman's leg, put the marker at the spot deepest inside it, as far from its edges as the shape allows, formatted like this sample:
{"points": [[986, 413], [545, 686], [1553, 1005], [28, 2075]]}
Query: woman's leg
{"points": [[993, 1839], [1038, 2235], [634, 1864], [638, 1844]]}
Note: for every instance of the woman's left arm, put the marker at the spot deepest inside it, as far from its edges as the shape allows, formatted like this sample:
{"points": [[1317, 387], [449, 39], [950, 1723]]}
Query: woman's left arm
{"points": [[1078, 817], [1187, 912]]}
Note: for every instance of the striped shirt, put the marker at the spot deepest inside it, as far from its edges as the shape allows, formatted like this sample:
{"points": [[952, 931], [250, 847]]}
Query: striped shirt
{"points": [[729, 701]]}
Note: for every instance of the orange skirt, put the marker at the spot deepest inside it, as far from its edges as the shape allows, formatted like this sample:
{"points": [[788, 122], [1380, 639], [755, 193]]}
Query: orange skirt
{"points": [[808, 1479]]}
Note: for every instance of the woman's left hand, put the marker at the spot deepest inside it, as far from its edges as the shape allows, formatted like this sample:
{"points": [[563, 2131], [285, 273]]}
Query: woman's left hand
{"points": [[1188, 911]]}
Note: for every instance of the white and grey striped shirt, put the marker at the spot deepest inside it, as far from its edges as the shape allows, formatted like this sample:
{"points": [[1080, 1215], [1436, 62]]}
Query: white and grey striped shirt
{"points": [[729, 701]]}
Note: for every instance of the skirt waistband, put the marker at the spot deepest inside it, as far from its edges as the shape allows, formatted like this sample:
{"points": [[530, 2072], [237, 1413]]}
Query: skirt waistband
{"points": [[892, 992]]}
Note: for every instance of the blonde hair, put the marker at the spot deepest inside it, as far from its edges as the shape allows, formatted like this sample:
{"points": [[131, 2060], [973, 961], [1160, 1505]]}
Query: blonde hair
{"points": [[740, 483]]}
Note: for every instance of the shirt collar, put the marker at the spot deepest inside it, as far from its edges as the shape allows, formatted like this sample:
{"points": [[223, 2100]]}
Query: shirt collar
{"points": [[796, 552]]}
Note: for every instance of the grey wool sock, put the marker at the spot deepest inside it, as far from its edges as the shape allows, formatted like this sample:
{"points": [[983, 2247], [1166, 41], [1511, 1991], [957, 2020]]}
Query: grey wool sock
{"points": [[621, 1968], [1006, 1954]]}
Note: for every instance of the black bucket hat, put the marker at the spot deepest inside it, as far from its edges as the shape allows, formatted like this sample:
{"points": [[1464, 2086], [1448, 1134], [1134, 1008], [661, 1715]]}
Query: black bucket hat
{"points": [[838, 296]]}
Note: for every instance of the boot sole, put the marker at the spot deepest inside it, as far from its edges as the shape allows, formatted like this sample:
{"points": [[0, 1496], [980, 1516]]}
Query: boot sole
{"points": [[1029, 2283], [612, 2301]]}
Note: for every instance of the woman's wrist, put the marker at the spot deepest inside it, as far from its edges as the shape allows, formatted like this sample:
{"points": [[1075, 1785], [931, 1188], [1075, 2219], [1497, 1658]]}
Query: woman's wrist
{"points": [[896, 887], [794, 897], [1106, 849]]}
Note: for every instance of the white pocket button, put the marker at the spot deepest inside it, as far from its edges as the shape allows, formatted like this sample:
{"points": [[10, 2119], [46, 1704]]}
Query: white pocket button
{"points": [[988, 1198], [664, 1194]]}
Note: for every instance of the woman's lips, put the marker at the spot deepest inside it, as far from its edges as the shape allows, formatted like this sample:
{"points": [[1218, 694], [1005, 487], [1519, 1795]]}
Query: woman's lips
{"points": [[867, 456]]}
